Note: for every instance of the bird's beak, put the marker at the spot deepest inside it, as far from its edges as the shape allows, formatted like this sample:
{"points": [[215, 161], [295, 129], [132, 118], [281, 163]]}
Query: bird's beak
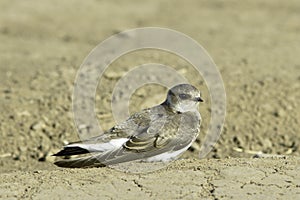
{"points": [[199, 99]]}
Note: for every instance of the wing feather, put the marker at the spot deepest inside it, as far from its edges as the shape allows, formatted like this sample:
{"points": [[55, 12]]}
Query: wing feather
{"points": [[165, 133]]}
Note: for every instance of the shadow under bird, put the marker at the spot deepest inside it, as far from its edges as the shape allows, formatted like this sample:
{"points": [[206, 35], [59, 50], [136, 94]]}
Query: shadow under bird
{"points": [[161, 133]]}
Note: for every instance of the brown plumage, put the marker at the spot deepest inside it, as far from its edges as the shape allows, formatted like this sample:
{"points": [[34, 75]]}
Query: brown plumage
{"points": [[160, 133]]}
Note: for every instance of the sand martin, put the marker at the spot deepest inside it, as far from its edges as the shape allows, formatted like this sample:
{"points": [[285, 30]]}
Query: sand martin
{"points": [[160, 133]]}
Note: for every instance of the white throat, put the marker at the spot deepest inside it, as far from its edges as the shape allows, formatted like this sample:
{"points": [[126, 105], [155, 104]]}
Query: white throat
{"points": [[185, 107]]}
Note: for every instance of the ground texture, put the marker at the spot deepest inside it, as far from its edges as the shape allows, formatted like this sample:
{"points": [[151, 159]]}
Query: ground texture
{"points": [[255, 45]]}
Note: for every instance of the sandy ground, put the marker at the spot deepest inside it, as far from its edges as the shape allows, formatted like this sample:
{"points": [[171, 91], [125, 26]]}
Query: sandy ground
{"points": [[255, 45], [185, 179]]}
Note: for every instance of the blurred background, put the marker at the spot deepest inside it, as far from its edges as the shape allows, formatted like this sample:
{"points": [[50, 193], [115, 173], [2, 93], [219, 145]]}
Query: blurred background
{"points": [[255, 45]]}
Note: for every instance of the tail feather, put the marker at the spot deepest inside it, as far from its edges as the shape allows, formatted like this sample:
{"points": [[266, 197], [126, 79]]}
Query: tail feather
{"points": [[77, 148], [69, 151], [84, 162]]}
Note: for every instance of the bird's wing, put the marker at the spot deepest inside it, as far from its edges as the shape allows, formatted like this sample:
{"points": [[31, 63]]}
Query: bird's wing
{"points": [[163, 135], [178, 129]]}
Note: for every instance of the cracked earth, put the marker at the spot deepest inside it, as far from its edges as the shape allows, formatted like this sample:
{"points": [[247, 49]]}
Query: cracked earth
{"points": [[268, 178]]}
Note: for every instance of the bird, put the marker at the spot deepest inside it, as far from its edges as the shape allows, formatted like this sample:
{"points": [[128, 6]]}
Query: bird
{"points": [[157, 134]]}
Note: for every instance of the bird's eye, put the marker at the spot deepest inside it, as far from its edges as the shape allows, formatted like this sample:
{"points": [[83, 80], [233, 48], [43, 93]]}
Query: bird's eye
{"points": [[184, 96]]}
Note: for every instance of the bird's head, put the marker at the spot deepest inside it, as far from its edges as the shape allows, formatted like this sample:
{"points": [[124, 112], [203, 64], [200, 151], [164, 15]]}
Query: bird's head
{"points": [[183, 98]]}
